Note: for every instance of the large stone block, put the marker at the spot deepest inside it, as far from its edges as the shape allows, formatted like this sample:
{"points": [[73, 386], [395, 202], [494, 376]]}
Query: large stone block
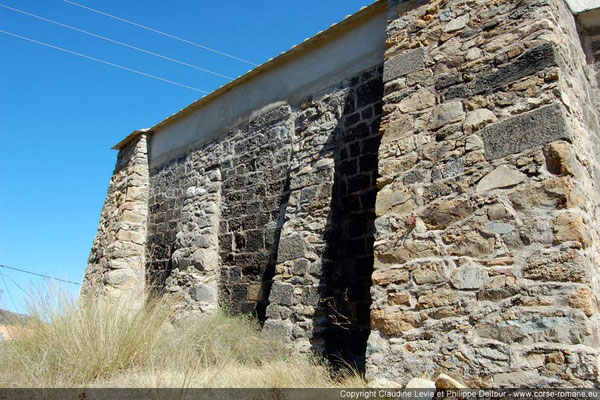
{"points": [[389, 276], [282, 293], [571, 227], [525, 131], [405, 63], [203, 293], [394, 323], [501, 177], [291, 247], [559, 266], [529, 63], [439, 216]]}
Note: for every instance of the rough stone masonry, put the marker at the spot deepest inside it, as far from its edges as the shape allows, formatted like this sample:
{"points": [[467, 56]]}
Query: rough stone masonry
{"points": [[414, 190]]}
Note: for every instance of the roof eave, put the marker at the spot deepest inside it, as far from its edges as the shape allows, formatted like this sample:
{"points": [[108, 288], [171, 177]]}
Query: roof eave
{"points": [[303, 47]]}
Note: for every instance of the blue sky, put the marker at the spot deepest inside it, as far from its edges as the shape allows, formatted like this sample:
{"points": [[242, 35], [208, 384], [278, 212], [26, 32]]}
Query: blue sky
{"points": [[60, 114]]}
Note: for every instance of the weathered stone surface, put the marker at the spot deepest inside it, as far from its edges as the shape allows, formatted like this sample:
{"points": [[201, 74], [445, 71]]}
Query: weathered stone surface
{"points": [[382, 383], [501, 177], [398, 129], [500, 228], [421, 99], [437, 298], [439, 216], [429, 273], [277, 329], [450, 169], [117, 258], [291, 247], [400, 299], [119, 277], [558, 158], [205, 259], [393, 199], [529, 63], [473, 142], [570, 227], [558, 266], [457, 23], [517, 379], [395, 323], [420, 383], [508, 270], [525, 131], [384, 277], [555, 193], [410, 250], [469, 277], [282, 293], [203, 293], [497, 211], [444, 381], [582, 298], [447, 113], [478, 119], [471, 243], [405, 63]]}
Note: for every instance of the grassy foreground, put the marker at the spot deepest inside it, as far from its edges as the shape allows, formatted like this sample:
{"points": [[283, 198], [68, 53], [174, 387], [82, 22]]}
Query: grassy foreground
{"points": [[104, 344]]}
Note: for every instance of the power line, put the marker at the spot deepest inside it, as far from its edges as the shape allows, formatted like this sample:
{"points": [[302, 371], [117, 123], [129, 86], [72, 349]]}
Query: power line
{"points": [[161, 33], [42, 275], [105, 62], [114, 41], [15, 283], [8, 292]]}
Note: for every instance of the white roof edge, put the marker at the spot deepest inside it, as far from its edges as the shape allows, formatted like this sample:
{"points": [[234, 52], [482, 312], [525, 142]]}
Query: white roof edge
{"points": [[347, 22], [579, 6]]}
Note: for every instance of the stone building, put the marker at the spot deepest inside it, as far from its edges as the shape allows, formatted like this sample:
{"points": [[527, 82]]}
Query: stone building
{"points": [[414, 189]]}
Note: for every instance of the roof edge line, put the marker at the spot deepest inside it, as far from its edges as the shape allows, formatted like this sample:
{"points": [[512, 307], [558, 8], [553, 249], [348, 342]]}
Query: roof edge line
{"points": [[296, 50]]}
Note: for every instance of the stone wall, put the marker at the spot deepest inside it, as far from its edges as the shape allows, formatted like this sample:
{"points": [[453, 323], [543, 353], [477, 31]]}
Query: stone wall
{"points": [[117, 259], [183, 225], [275, 217], [434, 214], [486, 242], [255, 181], [320, 295]]}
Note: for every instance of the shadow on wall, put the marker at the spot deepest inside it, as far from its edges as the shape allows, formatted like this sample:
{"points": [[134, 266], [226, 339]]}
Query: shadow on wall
{"points": [[334, 205], [348, 258], [269, 273]]}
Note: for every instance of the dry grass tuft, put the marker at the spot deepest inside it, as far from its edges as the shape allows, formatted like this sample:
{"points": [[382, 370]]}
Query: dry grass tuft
{"points": [[109, 344]]}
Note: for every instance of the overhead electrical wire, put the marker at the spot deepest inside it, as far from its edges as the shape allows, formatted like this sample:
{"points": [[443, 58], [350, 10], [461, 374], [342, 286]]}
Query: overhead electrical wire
{"points": [[42, 275], [161, 32], [105, 62], [8, 291], [115, 41], [15, 283]]}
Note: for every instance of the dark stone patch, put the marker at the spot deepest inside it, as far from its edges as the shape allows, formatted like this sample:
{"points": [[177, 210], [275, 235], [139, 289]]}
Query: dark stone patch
{"points": [[525, 131], [357, 132], [291, 247], [414, 176], [255, 240], [282, 294], [446, 80], [529, 63], [369, 93]]}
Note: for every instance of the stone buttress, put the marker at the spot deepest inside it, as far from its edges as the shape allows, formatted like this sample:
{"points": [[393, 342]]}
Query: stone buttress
{"points": [[486, 250], [116, 265]]}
